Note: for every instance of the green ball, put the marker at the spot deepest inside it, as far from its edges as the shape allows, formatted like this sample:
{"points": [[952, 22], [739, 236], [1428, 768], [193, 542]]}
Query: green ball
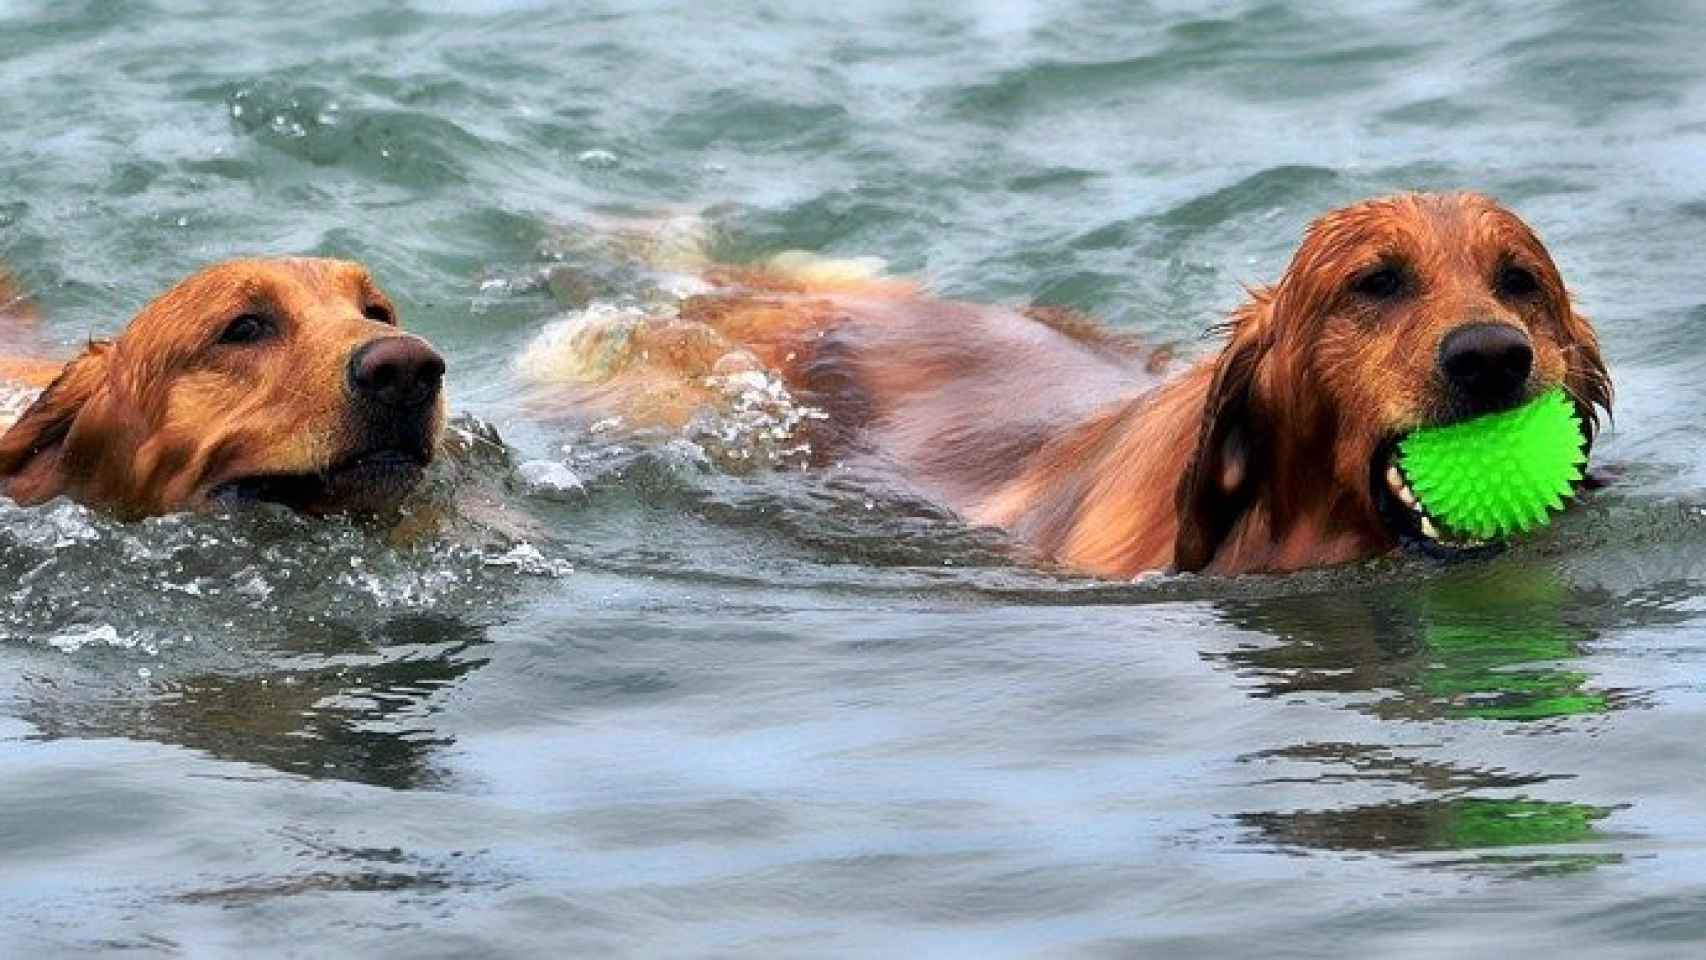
{"points": [[1501, 474]]}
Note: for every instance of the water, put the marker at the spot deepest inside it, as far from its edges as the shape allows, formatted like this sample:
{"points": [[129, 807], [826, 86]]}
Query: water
{"points": [[699, 708]]}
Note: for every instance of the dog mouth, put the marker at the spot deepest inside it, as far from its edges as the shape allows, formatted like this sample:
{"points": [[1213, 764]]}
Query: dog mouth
{"points": [[1407, 519], [367, 482]]}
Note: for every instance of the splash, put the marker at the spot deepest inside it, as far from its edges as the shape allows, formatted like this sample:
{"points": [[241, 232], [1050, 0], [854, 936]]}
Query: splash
{"points": [[670, 378], [81, 581], [758, 423], [552, 479], [527, 559]]}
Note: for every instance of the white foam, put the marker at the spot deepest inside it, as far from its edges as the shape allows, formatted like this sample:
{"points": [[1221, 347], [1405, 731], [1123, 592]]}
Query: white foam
{"points": [[101, 635], [409, 589], [525, 558], [55, 526], [762, 422], [551, 477]]}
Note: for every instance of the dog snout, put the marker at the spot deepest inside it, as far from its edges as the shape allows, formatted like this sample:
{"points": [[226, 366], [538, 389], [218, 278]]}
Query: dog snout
{"points": [[1487, 364], [399, 372]]}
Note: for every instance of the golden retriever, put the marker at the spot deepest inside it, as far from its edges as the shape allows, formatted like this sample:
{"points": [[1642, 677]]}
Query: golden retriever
{"points": [[279, 380], [1272, 455]]}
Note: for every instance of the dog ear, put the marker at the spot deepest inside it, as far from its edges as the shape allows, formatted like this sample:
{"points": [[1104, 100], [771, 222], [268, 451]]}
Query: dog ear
{"points": [[1220, 481], [1585, 375], [33, 453]]}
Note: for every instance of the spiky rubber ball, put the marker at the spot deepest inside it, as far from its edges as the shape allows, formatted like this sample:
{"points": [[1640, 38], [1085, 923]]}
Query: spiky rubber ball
{"points": [[1501, 474]]}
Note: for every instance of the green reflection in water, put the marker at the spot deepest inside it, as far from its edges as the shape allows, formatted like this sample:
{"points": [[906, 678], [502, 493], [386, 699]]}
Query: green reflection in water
{"points": [[1475, 674], [1496, 642], [1474, 822], [1463, 823], [1485, 643], [1493, 649]]}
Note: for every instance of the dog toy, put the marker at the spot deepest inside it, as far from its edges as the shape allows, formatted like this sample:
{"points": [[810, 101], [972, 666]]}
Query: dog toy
{"points": [[1500, 474]]}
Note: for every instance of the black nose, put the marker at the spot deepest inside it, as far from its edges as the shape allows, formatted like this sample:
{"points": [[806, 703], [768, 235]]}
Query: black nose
{"points": [[1487, 364], [396, 371]]}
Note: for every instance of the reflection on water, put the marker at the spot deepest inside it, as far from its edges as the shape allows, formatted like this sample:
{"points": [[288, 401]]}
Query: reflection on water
{"points": [[768, 715], [356, 706], [1458, 824], [1476, 675], [1465, 823], [316, 647], [338, 868], [1494, 643], [1367, 763]]}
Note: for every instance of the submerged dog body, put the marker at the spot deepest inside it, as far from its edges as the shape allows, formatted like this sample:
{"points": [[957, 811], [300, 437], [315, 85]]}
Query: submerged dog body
{"points": [[283, 380], [1273, 455]]}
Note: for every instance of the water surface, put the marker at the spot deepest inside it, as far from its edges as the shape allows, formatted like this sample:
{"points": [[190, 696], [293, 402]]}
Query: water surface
{"points": [[727, 711]]}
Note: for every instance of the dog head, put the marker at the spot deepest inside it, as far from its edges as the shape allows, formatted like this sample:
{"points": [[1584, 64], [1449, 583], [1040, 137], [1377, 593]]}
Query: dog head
{"points": [[279, 380], [1394, 314]]}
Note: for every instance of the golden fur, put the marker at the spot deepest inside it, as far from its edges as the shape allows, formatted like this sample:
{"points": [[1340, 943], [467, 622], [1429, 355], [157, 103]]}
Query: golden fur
{"points": [[178, 408], [1258, 458]]}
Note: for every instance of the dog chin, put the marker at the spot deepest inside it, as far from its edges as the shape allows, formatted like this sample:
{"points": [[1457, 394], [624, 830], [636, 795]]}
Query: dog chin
{"points": [[367, 482]]}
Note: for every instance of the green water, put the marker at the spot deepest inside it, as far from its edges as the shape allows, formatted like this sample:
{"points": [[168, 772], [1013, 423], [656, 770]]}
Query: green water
{"points": [[746, 713]]}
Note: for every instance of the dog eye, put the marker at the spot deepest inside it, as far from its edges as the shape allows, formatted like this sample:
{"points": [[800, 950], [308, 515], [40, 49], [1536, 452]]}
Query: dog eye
{"points": [[379, 313], [1517, 282], [248, 328], [1380, 283]]}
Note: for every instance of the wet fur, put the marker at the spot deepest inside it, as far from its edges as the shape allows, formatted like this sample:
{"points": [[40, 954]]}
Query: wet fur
{"points": [[18, 339], [152, 421], [1255, 459]]}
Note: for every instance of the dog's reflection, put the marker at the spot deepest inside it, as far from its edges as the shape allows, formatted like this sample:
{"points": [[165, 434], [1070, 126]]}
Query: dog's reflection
{"points": [[359, 705], [1495, 643], [1489, 644]]}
